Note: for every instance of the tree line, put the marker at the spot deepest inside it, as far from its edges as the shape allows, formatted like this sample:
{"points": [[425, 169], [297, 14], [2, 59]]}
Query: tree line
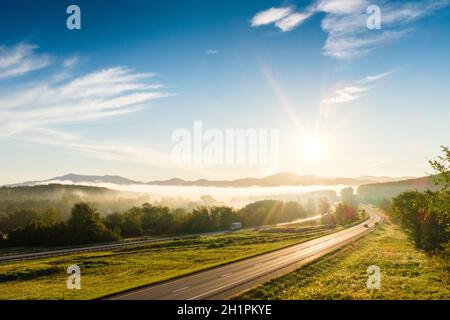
{"points": [[86, 225], [423, 211], [426, 215], [345, 212]]}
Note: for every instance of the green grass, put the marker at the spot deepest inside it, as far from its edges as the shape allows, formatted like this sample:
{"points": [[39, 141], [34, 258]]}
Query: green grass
{"points": [[108, 272], [406, 273]]}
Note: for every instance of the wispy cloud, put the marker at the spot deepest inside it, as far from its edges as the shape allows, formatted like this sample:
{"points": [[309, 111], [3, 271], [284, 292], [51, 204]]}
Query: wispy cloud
{"points": [[353, 46], [340, 6], [292, 21], [270, 16], [99, 94], [33, 111], [345, 22], [20, 59], [210, 52], [355, 90], [376, 77], [346, 94], [102, 150], [375, 162], [71, 62]]}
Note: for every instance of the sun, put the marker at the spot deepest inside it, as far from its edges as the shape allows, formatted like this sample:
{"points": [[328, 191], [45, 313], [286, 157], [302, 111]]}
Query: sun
{"points": [[312, 149]]}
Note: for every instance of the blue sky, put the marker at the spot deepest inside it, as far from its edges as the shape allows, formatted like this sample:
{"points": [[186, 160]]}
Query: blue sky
{"points": [[105, 99]]}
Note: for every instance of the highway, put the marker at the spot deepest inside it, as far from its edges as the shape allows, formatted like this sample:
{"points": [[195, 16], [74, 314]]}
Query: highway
{"points": [[122, 244], [225, 281]]}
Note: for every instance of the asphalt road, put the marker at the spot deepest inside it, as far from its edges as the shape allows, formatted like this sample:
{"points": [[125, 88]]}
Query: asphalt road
{"points": [[225, 281], [122, 244]]}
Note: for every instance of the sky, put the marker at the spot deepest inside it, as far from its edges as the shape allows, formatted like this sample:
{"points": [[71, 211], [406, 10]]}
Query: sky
{"points": [[344, 99]]}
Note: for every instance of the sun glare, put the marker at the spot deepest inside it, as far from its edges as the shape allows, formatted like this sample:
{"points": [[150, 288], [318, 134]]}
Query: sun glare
{"points": [[312, 149]]}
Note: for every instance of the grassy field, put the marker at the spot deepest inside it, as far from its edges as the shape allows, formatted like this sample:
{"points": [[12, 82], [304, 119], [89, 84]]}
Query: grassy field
{"points": [[108, 272], [406, 273]]}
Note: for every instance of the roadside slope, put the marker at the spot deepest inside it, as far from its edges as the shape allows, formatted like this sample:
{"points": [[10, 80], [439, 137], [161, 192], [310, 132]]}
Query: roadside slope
{"points": [[406, 273]]}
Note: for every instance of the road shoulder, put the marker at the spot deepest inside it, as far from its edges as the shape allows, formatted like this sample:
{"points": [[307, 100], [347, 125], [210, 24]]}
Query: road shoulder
{"points": [[406, 273]]}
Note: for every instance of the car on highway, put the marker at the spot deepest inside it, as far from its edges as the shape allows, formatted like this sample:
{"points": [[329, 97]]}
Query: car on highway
{"points": [[235, 226]]}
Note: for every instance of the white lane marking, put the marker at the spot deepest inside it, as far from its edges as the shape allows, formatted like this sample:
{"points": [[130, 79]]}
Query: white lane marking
{"points": [[226, 275], [311, 244], [181, 289], [348, 236]]}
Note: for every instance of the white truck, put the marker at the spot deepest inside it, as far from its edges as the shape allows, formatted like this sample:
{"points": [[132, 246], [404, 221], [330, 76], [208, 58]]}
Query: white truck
{"points": [[235, 226]]}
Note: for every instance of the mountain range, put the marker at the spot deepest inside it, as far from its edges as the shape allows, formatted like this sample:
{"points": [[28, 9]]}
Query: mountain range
{"points": [[280, 179]]}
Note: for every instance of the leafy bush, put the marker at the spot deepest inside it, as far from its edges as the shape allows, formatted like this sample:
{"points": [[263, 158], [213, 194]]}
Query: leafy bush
{"points": [[426, 215]]}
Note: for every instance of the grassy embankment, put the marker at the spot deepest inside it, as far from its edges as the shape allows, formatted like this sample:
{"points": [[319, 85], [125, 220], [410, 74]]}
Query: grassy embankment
{"points": [[113, 271], [406, 273]]}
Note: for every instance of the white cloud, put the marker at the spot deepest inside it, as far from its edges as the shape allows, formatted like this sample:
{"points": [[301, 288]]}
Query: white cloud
{"points": [[353, 46], [71, 62], [346, 94], [348, 36], [355, 91], [269, 16], [211, 52], [345, 22], [341, 6], [20, 59], [100, 94], [102, 150], [36, 111], [377, 76], [292, 21]]}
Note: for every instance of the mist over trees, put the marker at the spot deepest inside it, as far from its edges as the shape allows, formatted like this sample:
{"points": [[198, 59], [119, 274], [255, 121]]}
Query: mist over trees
{"points": [[21, 205], [324, 206], [349, 197], [85, 224]]}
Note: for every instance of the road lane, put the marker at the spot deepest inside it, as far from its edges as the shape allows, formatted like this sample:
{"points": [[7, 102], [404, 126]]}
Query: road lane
{"points": [[224, 281]]}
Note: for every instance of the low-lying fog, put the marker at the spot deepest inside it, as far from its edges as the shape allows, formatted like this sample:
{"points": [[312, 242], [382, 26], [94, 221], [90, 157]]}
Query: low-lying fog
{"points": [[230, 196]]}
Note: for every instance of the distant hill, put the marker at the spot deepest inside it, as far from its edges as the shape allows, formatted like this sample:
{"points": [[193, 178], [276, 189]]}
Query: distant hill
{"points": [[77, 179], [63, 197], [280, 179], [387, 190]]}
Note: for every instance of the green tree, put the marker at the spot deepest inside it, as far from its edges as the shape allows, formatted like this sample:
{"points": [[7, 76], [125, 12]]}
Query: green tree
{"points": [[225, 217], [114, 222], [441, 167], [311, 208], [291, 211], [2, 240], [49, 217], [199, 221], [324, 206], [18, 219], [157, 219], [426, 215], [345, 214], [86, 226], [131, 226], [348, 197]]}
